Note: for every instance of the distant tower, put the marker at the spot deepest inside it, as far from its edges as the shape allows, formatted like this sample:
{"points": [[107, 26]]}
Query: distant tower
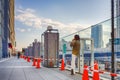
{"points": [[97, 35]]}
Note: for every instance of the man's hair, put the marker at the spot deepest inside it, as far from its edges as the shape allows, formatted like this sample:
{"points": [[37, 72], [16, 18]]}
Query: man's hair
{"points": [[76, 37]]}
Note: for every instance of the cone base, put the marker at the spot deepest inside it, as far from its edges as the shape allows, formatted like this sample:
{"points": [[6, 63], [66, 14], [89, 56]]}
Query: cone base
{"points": [[37, 67]]}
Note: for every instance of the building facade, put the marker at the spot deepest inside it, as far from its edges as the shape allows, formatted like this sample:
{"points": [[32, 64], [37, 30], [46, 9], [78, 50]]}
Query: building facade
{"points": [[97, 35], [6, 27], [11, 26], [1, 25]]}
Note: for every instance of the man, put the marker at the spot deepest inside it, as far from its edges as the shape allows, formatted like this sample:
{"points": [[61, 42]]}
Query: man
{"points": [[75, 44], [18, 55]]}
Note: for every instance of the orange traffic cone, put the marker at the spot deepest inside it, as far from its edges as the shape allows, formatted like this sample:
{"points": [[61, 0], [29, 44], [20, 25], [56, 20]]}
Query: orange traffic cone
{"points": [[28, 59], [34, 62], [51, 63], [23, 57], [38, 63], [96, 72], [85, 73], [62, 65]]}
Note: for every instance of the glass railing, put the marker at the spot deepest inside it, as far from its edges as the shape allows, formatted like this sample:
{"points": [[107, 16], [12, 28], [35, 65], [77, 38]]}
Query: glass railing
{"points": [[101, 35]]}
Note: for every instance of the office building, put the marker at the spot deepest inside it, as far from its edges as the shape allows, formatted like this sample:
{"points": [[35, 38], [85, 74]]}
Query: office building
{"points": [[7, 33], [118, 17], [97, 35]]}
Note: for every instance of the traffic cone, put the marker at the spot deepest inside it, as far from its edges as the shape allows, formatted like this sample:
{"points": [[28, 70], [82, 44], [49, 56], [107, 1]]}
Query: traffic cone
{"points": [[34, 62], [62, 65], [51, 63], [96, 72], [23, 57], [28, 59], [38, 63], [85, 73]]}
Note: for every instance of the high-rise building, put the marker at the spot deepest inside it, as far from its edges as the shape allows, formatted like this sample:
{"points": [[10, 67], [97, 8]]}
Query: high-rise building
{"points": [[1, 26], [118, 17], [7, 33], [11, 26], [97, 35]]}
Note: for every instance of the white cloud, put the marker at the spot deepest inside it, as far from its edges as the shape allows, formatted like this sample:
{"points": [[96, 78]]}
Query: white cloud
{"points": [[29, 30], [28, 17], [21, 30]]}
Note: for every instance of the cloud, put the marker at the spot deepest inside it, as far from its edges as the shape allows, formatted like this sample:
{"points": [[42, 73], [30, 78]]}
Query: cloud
{"points": [[21, 30], [29, 18], [29, 30]]}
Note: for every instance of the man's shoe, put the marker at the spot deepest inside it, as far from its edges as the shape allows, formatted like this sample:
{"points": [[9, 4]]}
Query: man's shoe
{"points": [[72, 72]]}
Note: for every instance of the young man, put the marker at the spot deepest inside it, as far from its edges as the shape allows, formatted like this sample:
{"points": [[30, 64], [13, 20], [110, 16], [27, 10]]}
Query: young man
{"points": [[75, 44]]}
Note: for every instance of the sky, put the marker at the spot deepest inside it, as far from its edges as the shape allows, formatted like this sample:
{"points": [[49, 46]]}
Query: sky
{"points": [[68, 16]]}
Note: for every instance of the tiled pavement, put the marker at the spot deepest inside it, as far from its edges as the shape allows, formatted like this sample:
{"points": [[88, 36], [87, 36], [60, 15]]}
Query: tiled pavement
{"points": [[19, 69]]}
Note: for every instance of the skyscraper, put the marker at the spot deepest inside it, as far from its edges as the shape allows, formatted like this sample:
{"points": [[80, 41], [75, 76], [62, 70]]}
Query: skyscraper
{"points": [[97, 35], [11, 26], [1, 26], [7, 33], [118, 17]]}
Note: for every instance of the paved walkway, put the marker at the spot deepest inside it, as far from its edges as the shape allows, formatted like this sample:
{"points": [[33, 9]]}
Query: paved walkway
{"points": [[19, 69]]}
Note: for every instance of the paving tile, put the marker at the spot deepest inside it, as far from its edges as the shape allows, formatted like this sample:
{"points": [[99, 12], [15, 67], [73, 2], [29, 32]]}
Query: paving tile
{"points": [[19, 69]]}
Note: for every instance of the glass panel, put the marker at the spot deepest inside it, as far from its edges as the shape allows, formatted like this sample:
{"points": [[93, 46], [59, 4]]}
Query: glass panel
{"points": [[101, 34]]}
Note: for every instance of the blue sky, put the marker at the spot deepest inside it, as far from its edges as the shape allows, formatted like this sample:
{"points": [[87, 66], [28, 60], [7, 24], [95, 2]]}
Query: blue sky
{"points": [[33, 16]]}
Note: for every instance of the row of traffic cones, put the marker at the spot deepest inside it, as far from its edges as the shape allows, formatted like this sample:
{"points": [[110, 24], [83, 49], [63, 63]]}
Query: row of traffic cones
{"points": [[36, 62], [85, 75]]}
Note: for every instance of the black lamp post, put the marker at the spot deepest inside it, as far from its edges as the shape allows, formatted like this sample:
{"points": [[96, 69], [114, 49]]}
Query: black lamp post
{"points": [[112, 38]]}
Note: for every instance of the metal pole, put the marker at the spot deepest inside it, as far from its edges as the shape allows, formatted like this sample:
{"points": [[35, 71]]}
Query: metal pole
{"points": [[42, 48], [112, 38]]}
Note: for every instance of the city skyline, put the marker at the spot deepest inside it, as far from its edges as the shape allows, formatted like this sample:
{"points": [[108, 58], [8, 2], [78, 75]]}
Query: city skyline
{"points": [[33, 17]]}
